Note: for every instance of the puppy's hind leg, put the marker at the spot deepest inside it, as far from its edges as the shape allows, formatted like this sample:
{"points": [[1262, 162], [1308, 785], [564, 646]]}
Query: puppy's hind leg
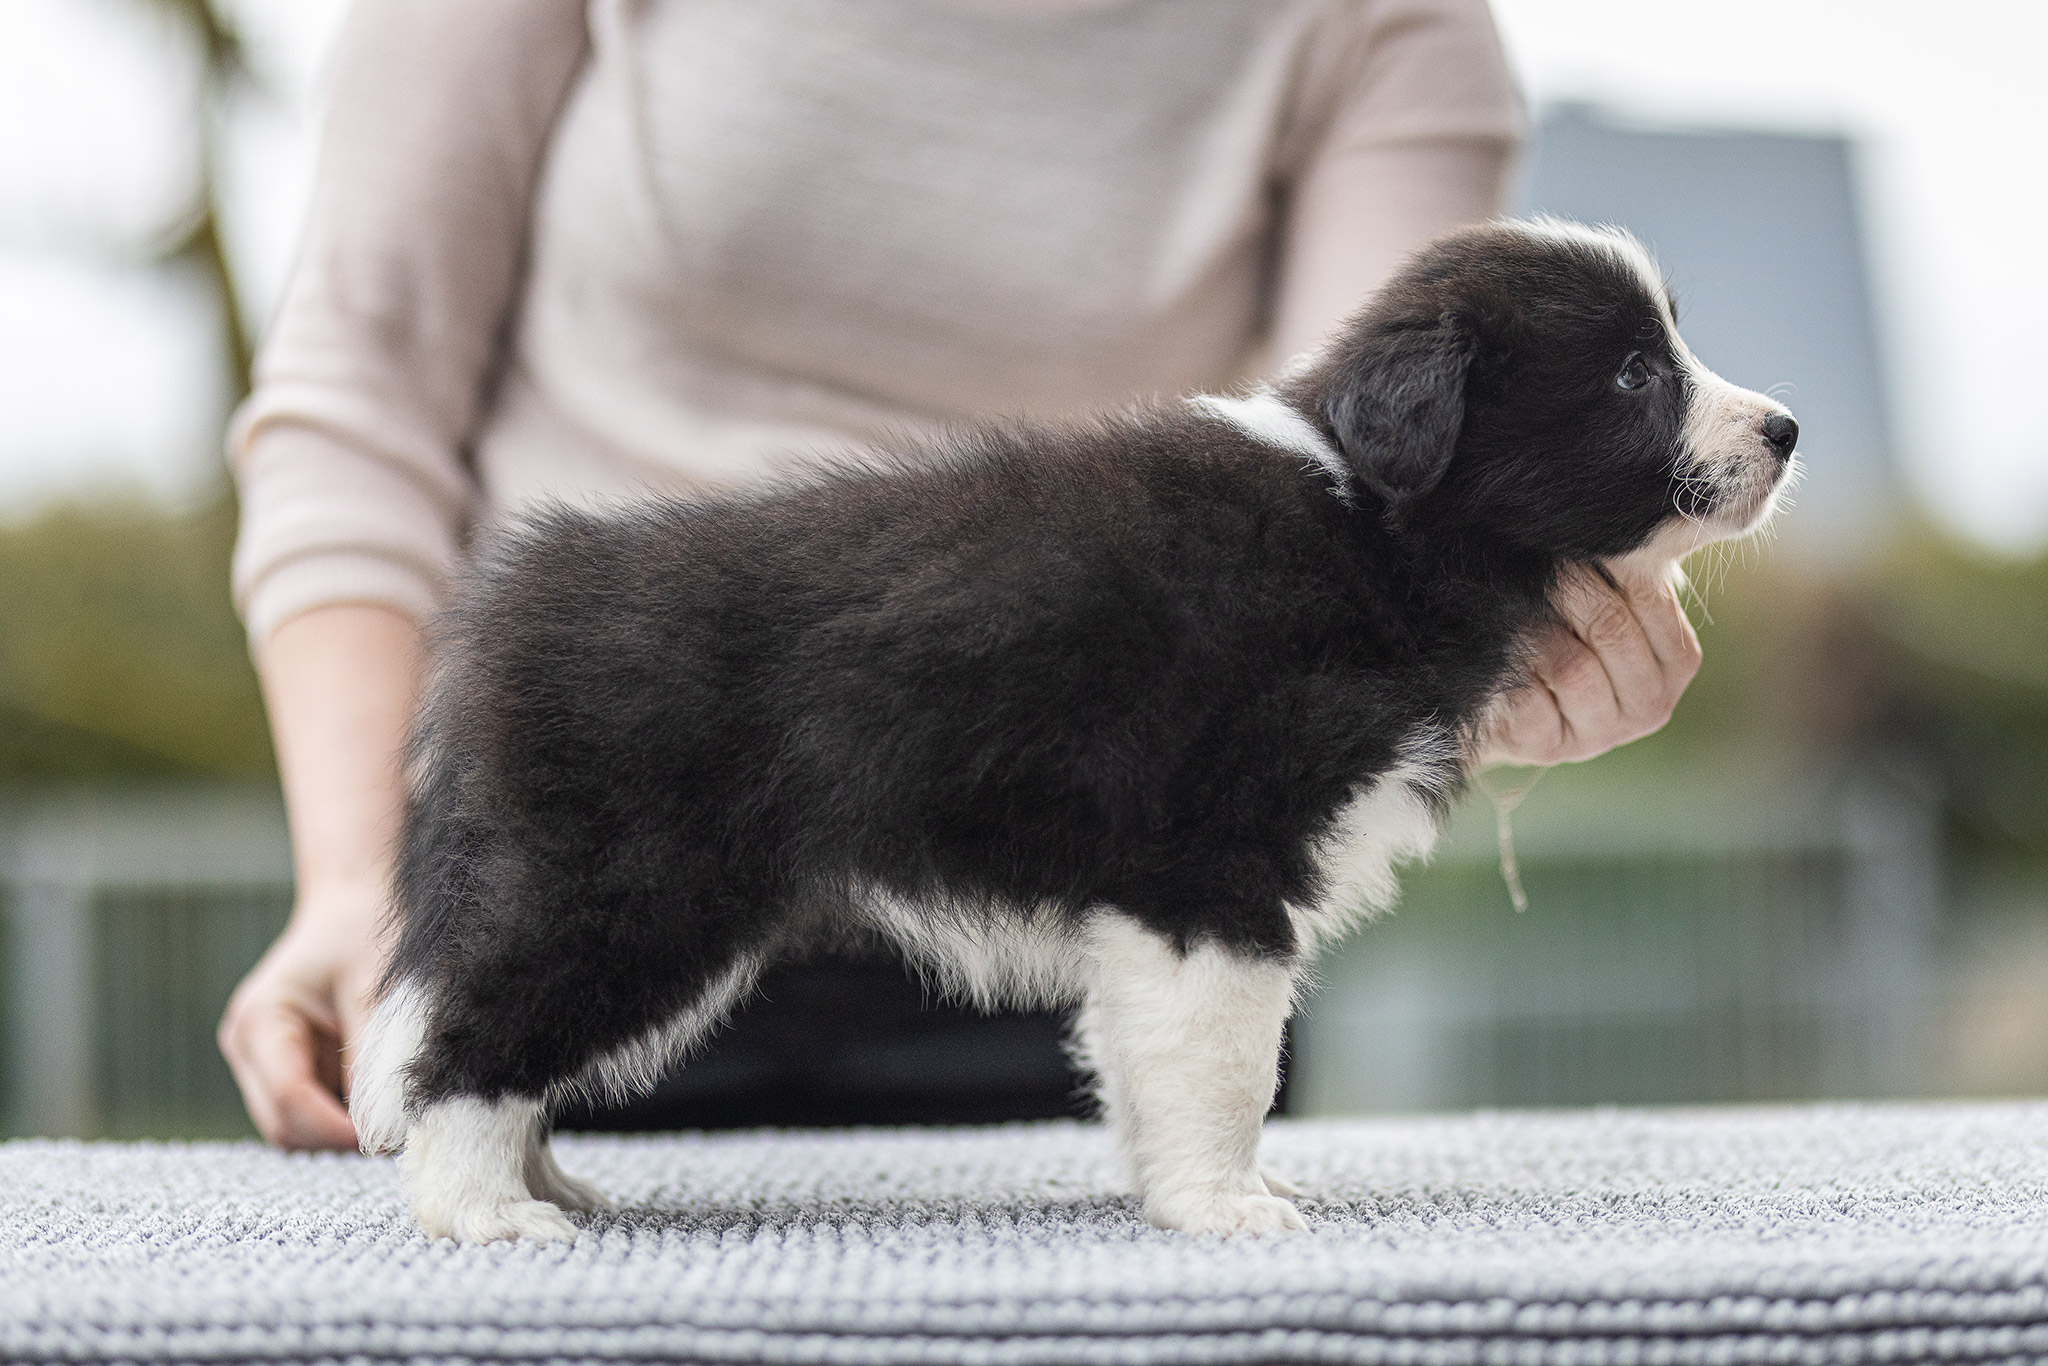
{"points": [[547, 1181], [633, 1068], [474, 1170], [476, 1159], [465, 1169], [1189, 1046]]}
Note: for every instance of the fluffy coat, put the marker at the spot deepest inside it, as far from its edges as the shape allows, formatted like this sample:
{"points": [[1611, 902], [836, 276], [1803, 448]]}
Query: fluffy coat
{"points": [[1128, 714]]}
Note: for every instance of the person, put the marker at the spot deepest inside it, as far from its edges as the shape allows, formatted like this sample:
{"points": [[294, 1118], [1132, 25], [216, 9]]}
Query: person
{"points": [[583, 251]]}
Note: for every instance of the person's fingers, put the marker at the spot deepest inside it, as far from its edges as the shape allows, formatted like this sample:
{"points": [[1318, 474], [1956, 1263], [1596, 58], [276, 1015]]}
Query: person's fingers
{"points": [[289, 1056], [1584, 693], [1605, 620], [353, 1006], [1528, 724], [1670, 633], [1527, 727], [257, 1100], [1610, 671], [278, 1056], [313, 1118]]}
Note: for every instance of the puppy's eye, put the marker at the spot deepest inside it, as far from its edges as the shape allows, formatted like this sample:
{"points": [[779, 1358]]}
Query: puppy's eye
{"points": [[1635, 374]]}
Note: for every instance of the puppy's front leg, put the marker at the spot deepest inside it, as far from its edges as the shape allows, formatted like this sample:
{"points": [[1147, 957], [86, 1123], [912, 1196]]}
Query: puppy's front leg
{"points": [[1188, 1047]]}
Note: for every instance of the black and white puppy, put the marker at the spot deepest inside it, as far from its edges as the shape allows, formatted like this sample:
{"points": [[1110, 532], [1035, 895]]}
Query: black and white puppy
{"points": [[1131, 715]]}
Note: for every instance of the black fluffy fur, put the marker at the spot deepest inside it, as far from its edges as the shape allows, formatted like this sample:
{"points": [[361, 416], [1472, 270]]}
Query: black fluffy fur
{"points": [[1138, 662]]}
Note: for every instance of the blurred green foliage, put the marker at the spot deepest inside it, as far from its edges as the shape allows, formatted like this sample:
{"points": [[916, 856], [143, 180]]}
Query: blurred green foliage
{"points": [[1923, 649], [1961, 644], [120, 654]]}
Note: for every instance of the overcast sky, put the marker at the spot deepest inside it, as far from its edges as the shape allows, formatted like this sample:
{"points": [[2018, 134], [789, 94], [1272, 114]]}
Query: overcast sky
{"points": [[106, 377]]}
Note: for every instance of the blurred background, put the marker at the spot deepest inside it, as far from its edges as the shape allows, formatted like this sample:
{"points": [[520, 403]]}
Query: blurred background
{"points": [[1827, 877]]}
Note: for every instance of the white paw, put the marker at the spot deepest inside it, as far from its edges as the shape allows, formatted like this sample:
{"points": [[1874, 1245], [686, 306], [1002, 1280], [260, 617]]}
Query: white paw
{"points": [[1224, 1212], [503, 1221], [545, 1180], [1276, 1184], [570, 1192]]}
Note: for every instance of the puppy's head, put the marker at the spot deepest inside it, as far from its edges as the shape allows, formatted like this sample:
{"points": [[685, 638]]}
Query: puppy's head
{"points": [[1526, 381]]}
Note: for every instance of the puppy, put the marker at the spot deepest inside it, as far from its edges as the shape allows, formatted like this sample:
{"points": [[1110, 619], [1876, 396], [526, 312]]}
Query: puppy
{"points": [[1130, 715]]}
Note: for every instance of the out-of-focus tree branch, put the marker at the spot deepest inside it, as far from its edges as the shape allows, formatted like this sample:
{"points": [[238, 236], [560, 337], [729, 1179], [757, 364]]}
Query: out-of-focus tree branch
{"points": [[120, 655], [196, 240]]}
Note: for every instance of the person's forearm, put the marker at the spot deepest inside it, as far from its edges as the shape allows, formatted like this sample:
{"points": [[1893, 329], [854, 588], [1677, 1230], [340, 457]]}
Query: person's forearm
{"points": [[1355, 217], [341, 683]]}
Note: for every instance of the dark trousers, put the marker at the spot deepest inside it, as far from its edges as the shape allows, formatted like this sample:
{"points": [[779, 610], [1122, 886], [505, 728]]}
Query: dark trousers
{"points": [[860, 1040]]}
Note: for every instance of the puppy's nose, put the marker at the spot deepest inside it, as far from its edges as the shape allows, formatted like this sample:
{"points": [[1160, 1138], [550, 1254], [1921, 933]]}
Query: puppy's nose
{"points": [[1783, 434]]}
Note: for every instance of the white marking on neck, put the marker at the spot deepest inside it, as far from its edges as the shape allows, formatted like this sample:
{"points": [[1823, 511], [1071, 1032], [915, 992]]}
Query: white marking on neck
{"points": [[1389, 821], [1264, 416]]}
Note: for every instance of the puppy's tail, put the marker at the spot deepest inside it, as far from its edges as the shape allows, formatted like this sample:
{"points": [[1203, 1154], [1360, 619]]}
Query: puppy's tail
{"points": [[383, 1065]]}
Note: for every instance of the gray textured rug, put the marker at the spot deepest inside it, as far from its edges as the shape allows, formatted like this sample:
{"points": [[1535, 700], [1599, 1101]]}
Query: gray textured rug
{"points": [[1848, 1233]]}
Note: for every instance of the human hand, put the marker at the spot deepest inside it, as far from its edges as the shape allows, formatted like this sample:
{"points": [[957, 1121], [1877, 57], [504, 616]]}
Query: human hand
{"points": [[1609, 674], [285, 1027]]}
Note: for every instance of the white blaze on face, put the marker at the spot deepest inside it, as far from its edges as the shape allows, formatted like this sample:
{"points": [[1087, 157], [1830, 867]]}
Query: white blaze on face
{"points": [[1723, 453]]}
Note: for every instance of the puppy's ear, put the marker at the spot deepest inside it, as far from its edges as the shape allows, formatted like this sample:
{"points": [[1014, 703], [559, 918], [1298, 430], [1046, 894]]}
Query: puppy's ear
{"points": [[1396, 400]]}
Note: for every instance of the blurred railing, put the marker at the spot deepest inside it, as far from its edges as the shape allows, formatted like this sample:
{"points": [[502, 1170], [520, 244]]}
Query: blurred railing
{"points": [[1731, 938], [130, 916], [1690, 942]]}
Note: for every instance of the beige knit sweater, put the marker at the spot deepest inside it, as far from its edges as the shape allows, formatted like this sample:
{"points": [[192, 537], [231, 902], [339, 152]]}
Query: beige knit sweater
{"points": [[579, 251]]}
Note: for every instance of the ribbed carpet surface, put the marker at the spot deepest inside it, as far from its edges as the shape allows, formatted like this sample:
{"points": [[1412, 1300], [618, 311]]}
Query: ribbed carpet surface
{"points": [[1840, 1233]]}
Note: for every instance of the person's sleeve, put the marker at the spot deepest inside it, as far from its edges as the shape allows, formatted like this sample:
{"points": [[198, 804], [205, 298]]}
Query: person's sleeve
{"points": [[350, 454], [1405, 125]]}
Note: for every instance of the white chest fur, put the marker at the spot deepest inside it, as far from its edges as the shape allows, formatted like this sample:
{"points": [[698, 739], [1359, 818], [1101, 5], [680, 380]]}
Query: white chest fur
{"points": [[1389, 822]]}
